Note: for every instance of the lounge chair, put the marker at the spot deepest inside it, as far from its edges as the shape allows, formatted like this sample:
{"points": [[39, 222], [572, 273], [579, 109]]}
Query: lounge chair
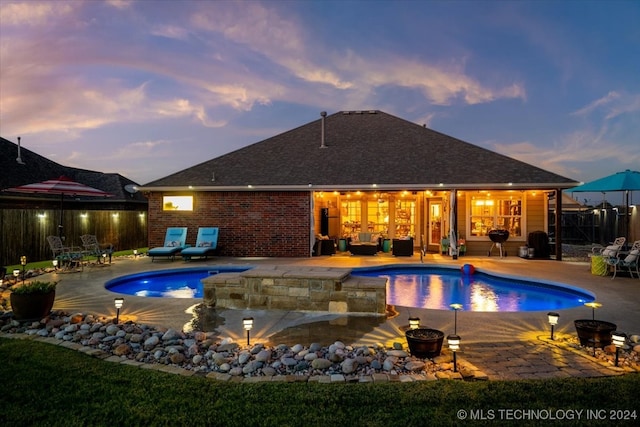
{"points": [[93, 248], [174, 242], [206, 244], [630, 262]]}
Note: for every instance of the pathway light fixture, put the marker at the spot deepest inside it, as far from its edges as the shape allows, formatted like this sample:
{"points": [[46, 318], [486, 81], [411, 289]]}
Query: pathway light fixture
{"points": [[618, 339], [414, 322], [118, 302], [553, 320], [454, 346], [247, 323]]}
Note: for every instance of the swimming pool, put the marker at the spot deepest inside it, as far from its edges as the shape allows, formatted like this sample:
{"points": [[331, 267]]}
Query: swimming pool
{"points": [[441, 287], [415, 286], [174, 283]]}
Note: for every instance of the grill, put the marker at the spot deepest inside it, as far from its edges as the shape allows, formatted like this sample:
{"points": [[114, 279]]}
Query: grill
{"points": [[498, 237]]}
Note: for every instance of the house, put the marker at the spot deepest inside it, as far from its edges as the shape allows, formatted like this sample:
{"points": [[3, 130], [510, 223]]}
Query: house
{"points": [[27, 219], [351, 172]]}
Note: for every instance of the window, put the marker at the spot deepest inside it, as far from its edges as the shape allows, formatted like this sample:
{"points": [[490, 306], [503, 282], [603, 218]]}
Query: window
{"points": [[351, 214], [378, 215], [490, 212], [405, 218], [177, 203]]}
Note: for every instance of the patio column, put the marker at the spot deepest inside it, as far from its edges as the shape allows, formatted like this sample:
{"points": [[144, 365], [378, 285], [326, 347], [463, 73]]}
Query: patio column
{"points": [[558, 215]]}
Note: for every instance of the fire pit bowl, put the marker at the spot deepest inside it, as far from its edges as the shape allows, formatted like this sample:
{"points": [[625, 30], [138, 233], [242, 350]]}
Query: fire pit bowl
{"points": [[424, 342]]}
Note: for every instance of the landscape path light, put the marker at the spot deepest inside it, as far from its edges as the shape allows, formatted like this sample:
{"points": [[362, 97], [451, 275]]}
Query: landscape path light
{"points": [[553, 321], [454, 346], [593, 306], [23, 262], [247, 323], [455, 307], [414, 322], [118, 302], [618, 339]]}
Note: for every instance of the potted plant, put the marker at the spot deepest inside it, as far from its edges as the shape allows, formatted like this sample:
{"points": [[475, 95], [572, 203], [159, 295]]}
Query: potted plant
{"points": [[32, 300], [424, 342]]}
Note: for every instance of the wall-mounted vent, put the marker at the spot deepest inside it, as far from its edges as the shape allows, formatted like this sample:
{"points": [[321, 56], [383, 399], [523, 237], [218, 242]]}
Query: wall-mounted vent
{"points": [[323, 115], [19, 158]]}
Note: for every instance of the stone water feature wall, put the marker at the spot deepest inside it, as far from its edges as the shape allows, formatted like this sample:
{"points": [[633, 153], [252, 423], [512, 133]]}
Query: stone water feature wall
{"points": [[298, 289]]}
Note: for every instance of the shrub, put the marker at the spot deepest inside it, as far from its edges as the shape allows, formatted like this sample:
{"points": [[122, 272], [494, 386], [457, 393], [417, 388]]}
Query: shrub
{"points": [[35, 287]]}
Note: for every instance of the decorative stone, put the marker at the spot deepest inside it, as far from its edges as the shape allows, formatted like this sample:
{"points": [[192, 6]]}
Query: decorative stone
{"points": [[177, 358], [171, 334], [320, 363], [122, 349], [414, 365], [151, 342], [263, 356], [349, 366]]}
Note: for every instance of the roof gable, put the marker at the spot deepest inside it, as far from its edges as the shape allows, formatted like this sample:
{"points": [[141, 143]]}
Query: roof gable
{"points": [[36, 168], [361, 149]]}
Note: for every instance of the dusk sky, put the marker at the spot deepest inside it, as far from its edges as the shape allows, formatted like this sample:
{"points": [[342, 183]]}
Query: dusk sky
{"points": [[148, 88]]}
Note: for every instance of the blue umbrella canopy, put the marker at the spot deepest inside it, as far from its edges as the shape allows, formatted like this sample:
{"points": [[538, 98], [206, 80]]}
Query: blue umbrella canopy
{"points": [[622, 181]]}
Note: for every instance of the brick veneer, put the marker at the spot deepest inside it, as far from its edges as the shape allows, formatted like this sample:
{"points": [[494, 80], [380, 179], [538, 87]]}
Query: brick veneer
{"points": [[266, 224]]}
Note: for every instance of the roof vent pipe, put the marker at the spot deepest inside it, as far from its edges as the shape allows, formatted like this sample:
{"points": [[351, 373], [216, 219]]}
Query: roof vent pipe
{"points": [[19, 159], [322, 145]]}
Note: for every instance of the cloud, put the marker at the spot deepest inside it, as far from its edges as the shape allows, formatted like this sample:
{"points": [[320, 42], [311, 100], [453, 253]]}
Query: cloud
{"points": [[33, 13], [597, 103], [120, 4], [284, 41], [183, 107]]}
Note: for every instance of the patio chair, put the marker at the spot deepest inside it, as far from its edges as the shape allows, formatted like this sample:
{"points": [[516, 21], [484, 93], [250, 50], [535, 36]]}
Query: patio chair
{"points": [[607, 251], [444, 246], [630, 262], [93, 248], [206, 244], [68, 257], [174, 242]]}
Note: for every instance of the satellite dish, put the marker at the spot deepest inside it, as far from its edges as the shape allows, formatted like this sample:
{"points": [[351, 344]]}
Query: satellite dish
{"points": [[131, 188]]}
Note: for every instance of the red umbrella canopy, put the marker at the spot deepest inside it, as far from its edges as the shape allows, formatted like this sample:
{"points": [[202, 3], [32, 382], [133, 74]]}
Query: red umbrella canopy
{"points": [[62, 186]]}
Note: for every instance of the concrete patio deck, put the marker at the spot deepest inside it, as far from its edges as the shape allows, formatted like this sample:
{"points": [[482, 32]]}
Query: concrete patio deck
{"points": [[503, 345]]}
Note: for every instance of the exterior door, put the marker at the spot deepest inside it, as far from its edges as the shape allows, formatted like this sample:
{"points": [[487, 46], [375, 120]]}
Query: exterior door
{"points": [[435, 222]]}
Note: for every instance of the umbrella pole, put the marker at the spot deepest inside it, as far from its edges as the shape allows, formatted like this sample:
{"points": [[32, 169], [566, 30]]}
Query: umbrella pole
{"points": [[627, 217]]}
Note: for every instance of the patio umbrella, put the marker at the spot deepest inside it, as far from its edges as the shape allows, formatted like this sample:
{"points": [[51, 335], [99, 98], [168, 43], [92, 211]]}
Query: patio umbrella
{"points": [[62, 186], [621, 181]]}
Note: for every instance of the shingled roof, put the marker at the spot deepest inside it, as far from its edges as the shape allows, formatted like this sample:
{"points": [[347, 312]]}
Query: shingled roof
{"points": [[36, 168], [361, 148]]}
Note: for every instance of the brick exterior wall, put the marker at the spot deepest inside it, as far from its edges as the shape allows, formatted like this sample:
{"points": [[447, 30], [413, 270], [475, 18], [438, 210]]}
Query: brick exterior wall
{"points": [[252, 224]]}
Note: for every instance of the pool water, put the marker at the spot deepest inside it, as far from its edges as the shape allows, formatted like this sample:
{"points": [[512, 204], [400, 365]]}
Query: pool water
{"points": [[421, 287], [438, 288], [175, 283]]}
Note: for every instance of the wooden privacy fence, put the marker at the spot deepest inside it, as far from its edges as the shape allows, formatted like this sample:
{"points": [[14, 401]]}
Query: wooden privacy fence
{"points": [[25, 231]]}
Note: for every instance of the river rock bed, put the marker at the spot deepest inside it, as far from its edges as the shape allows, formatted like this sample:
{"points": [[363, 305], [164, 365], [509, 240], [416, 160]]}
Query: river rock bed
{"points": [[204, 353]]}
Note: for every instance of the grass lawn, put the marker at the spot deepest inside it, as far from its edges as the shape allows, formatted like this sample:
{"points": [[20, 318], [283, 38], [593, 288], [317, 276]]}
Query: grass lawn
{"points": [[45, 384]]}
